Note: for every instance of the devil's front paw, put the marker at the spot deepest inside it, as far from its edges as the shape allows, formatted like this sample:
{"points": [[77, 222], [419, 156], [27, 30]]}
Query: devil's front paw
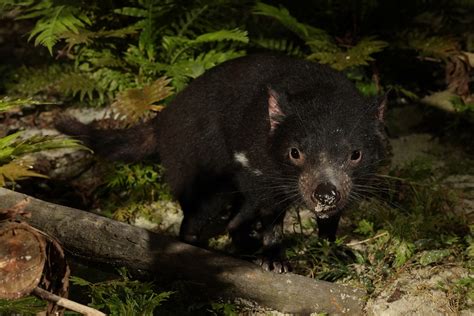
{"points": [[277, 265]]}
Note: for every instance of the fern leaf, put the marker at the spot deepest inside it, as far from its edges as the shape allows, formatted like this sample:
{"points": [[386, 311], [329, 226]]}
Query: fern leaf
{"points": [[132, 11], [133, 104], [433, 46], [7, 148], [283, 16], [279, 45], [7, 103], [181, 28], [182, 70], [86, 37], [13, 145], [75, 83], [109, 81], [30, 81], [304, 31], [16, 170], [55, 22], [40, 143], [222, 35], [327, 52]]}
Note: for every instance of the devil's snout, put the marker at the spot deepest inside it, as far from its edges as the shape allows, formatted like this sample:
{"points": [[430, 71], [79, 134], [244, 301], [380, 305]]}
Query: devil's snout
{"points": [[326, 194]]}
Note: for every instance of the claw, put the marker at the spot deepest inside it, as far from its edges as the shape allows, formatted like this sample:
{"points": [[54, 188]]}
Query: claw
{"points": [[275, 265]]}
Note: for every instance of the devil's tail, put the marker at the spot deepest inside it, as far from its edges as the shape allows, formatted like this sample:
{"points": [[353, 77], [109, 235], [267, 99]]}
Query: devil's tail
{"points": [[132, 144]]}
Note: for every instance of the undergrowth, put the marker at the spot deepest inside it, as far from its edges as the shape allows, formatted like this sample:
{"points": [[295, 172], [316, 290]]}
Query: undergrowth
{"points": [[123, 296], [136, 54], [413, 223]]}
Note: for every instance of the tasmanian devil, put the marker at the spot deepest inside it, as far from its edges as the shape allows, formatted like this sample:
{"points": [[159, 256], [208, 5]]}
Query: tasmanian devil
{"points": [[249, 139]]}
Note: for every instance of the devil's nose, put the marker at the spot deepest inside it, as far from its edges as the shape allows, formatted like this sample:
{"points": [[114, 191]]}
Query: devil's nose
{"points": [[326, 194]]}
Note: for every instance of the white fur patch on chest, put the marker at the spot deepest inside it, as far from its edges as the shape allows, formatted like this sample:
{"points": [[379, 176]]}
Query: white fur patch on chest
{"points": [[242, 159]]}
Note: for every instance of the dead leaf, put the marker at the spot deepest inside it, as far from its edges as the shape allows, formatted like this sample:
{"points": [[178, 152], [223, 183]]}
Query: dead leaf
{"points": [[16, 170], [134, 104]]}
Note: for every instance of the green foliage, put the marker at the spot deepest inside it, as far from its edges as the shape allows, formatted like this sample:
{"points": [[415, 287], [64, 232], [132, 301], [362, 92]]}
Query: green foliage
{"points": [[279, 45], [224, 309], [139, 180], [365, 227], [129, 187], [339, 58], [323, 48], [13, 166], [433, 46], [123, 296], [433, 256], [29, 305], [319, 258], [54, 21], [181, 49], [461, 106], [415, 225], [282, 15], [13, 146], [7, 103]]}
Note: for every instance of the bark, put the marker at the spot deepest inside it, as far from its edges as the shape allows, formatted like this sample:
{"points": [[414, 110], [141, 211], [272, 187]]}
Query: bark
{"points": [[102, 240]]}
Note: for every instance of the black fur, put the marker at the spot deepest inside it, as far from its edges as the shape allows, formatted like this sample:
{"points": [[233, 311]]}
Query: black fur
{"points": [[228, 143]]}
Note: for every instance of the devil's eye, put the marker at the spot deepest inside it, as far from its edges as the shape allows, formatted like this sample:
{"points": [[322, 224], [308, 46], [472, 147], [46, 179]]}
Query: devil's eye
{"points": [[356, 156], [294, 153]]}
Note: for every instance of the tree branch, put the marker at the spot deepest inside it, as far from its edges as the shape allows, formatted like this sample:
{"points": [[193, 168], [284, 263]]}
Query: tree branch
{"points": [[102, 240]]}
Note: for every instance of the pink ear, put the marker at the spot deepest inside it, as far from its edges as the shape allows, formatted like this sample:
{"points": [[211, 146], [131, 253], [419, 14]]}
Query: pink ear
{"points": [[274, 111]]}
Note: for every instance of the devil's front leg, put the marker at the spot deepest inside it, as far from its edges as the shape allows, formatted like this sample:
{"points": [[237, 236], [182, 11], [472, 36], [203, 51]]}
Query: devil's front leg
{"points": [[273, 257], [328, 226], [256, 228]]}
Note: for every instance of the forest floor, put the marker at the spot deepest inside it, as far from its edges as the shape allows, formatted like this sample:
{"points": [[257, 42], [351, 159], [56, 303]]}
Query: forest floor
{"points": [[434, 280]]}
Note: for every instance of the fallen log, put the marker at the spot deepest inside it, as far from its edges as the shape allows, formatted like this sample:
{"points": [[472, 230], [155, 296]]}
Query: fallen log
{"points": [[102, 240]]}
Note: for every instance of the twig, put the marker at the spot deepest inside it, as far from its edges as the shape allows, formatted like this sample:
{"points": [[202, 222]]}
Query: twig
{"points": [[64, 302], [366, 240]]}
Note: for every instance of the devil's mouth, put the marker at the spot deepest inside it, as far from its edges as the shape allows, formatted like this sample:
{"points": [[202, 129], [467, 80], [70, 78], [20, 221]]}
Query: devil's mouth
{"points": [[324, 211]]}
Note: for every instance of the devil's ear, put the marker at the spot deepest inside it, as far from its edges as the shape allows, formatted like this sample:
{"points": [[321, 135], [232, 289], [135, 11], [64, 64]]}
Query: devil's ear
{"points": [[275, 112]]}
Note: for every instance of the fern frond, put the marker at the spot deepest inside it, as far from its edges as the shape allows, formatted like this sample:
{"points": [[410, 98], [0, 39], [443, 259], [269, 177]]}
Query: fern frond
{"points": [[132, 11], [109, 81], [86, 37], [7, 148], [283, 16], [182, 70], [55, 21], [39, 143], [13, 146], [58, 79], [149, 68], [279, 45], [133, 104], [7, 103], [98, 58], [433, 46], [75, 83], [236, 35], [303, 31], [175, 46], [182, 26], [29, 81], [327, 52], [16, 170]]}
